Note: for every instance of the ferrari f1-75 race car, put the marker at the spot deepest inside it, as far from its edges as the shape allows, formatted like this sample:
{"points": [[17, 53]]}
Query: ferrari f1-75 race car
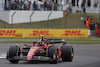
{"points": [[41, 50]]}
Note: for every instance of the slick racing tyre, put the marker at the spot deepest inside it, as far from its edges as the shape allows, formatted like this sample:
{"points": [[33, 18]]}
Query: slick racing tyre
{"points": [[14, 51], [53, 54], [67, 53]]}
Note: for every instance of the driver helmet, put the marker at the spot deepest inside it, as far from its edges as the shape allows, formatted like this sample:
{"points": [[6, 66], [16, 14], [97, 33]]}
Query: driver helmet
{"points": [[41, 43]]}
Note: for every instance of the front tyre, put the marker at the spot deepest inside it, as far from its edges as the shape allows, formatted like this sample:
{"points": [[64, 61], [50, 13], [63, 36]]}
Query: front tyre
{"points": [[67, 53], [53, 54], [13, 51]]}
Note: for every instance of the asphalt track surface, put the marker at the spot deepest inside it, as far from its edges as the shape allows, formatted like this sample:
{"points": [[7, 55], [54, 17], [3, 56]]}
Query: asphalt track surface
{"points": [[85, 55], [17, 39]]}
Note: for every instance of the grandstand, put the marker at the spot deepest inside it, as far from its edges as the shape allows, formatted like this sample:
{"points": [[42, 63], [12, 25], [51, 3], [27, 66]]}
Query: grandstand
{"points": [[10, 17], [2, 4], [92, 6]]}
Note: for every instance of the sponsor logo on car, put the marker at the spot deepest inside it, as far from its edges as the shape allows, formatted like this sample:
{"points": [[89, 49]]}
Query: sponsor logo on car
{"points": [[32, 49]]}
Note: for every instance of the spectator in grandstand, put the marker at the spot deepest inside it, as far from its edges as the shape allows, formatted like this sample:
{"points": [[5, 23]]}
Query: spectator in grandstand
{"points": [[83, 7], [13, 3], [42, 2], [48, 3], [29, 5], [25, 4], [95, 5], [39, 5], [67, 7], [62, 4], [5, 5], [17, 4], [42, 5], [55, 6], [45, 5], [21, 5], [51, 5], [70, 7], [34, 6]]}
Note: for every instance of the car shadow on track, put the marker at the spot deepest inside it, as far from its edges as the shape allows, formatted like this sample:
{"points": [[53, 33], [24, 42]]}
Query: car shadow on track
{"points": [[36, 62]]}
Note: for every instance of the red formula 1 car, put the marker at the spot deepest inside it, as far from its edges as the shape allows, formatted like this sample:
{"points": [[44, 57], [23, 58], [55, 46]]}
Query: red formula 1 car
{"points": [[41, 50]]}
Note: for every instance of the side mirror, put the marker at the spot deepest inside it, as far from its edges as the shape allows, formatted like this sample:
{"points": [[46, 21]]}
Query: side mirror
{"points": [[25, 44]]}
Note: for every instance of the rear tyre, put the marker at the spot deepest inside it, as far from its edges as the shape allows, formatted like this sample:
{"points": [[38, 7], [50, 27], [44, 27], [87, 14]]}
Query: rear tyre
{"points": [[14, 51], [67, 53], [53, 54]]}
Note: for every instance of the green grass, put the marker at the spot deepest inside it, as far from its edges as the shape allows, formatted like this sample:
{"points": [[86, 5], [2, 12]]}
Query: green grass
{"points": [[68, 40], [73, 20], [83, 40]]}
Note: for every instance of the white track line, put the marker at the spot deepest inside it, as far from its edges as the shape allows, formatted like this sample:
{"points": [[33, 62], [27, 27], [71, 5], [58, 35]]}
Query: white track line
{"points": [[2, 55]]}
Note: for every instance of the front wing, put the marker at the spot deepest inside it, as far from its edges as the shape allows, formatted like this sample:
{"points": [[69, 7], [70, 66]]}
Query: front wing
{"points": [[35, 58]]}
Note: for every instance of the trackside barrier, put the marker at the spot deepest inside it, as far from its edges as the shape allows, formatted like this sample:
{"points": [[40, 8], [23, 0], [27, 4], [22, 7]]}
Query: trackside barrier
{"points": [[30, 33], [23, 16]]}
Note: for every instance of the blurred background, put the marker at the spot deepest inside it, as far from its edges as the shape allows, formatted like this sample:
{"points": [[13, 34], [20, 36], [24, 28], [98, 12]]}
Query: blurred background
{"points": [[54, 14]]}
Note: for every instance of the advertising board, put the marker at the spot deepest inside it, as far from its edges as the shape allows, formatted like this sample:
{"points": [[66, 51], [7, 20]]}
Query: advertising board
{"points": [[30, 33]]}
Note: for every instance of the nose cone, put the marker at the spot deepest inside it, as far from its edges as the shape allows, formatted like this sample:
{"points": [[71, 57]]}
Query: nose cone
{"points": [[31, 53], [29, 57]]}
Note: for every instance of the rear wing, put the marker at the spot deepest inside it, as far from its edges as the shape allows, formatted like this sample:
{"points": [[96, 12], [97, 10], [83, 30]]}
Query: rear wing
{"points": [[53, 41]]}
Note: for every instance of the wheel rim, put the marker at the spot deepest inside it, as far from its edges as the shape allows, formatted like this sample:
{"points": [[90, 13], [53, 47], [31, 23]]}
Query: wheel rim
{"points": [[56, 56], [72, 54]]}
